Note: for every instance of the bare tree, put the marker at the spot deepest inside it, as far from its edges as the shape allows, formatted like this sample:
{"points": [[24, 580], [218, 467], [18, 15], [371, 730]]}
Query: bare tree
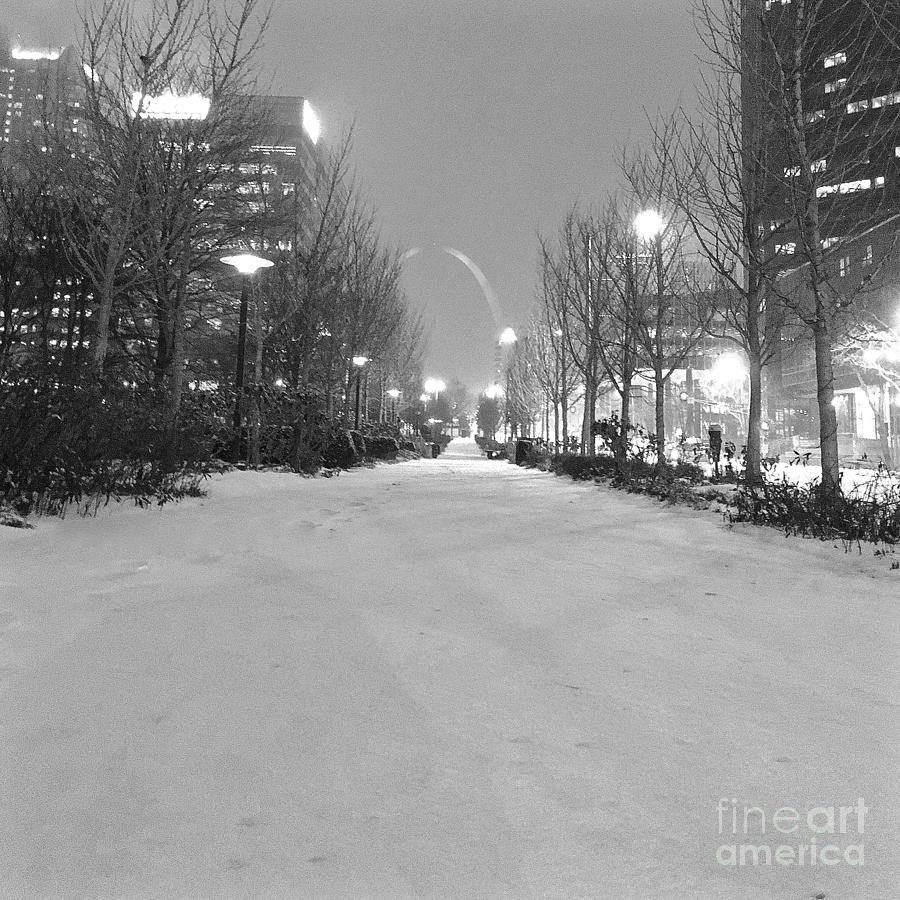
{"points": [[573, 287], [136, 181], [825, 150], [670, 319]]}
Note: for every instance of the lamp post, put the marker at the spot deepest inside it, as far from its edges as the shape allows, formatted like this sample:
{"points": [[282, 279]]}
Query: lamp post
{"points": [[246, 264], [650, 225], [434, 386], [394, 394], [507, 339], [359, 362], [423, 399]]}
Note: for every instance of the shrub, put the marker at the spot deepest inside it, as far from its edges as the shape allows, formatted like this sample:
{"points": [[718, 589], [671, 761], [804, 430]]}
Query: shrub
{"points": [[62, 444], [382, 446], [340, 451], [871, 516], [583, 468]]}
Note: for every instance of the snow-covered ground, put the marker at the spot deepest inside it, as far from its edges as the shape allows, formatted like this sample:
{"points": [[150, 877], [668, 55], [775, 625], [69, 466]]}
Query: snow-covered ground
{"points": [[444, 678]]}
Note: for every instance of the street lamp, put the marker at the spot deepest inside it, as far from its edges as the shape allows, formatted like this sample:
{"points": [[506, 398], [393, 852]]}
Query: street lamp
{"points": [[359, 362], [246, 264], [649, 224], [394, 394], [507, 339], [434, 386]]}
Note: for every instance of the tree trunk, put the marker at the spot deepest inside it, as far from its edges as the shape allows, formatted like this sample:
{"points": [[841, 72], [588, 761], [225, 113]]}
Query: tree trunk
{"points": [[660, 404], [828, 439], [163, 343], [255, 411], [556, 427], [753, 467], [175, 382], [621, 448], [590, 404]]}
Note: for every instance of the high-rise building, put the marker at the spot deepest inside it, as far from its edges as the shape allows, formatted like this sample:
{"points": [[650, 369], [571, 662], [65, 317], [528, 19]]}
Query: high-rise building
{"points": [[273, 184], [283, 164], [31, 83], [849, 57]]}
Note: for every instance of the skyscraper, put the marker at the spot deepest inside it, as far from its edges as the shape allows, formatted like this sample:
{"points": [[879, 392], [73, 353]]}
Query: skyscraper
{"points": [[31, 82], [831, 153]]}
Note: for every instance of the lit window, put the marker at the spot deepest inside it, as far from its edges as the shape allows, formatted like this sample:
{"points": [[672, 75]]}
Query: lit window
{"points": [[816, 115], [845, 187], [867, 259], [857, 106], [844, 266], [834, 59], [832, 86], [886, 100], [789, 248]]}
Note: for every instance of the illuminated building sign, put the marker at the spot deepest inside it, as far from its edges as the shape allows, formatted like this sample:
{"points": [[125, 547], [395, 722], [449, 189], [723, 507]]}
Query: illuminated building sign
{"points": [[170, 106], [28, 53], [311, 124]]}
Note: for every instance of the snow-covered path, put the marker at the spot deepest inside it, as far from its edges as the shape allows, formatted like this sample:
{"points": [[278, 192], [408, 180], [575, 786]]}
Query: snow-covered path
{"points": [[445, 678]]}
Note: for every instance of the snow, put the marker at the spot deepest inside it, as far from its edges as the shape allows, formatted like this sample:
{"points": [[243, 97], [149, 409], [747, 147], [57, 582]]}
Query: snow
{"points": [[441, 678]]}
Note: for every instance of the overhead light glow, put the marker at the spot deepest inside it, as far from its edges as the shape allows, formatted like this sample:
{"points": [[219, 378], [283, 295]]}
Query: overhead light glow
{"points": [[434, 386], [247, 263], [360, 360], [728, 369], [311, 124], [494, 392], [29, 53], [648, 224], [508, 337], [393, 393], [170, 106]]}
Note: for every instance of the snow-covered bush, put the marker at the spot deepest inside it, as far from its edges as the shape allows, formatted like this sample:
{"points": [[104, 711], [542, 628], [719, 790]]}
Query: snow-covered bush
{"points": [[872, 515], [61, 444]]}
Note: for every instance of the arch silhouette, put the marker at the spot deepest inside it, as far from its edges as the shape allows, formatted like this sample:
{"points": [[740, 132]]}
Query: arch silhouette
{"points": [[490, 295]]}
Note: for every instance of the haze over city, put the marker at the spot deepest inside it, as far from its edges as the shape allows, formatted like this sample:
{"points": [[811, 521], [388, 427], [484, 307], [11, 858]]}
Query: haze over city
{"points": [[504, 503]]}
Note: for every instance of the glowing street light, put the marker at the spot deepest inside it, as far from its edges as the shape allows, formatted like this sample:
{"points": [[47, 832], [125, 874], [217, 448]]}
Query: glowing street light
{"points": [[507, 337], [246, 264], [434, 386], [394, 394], [649, 224], [359, 362], [729, 369], [494, 392]]}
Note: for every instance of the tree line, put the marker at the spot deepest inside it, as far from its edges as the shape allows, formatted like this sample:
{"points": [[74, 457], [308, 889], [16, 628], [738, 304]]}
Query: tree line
{"points": [[112, 232], [736, 223]]}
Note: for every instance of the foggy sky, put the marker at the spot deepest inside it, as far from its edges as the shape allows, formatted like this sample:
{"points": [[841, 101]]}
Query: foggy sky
{"points": [[478, 123]]}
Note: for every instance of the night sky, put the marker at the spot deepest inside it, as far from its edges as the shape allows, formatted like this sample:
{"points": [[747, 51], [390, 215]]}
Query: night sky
{"points": [[477, 125]]}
